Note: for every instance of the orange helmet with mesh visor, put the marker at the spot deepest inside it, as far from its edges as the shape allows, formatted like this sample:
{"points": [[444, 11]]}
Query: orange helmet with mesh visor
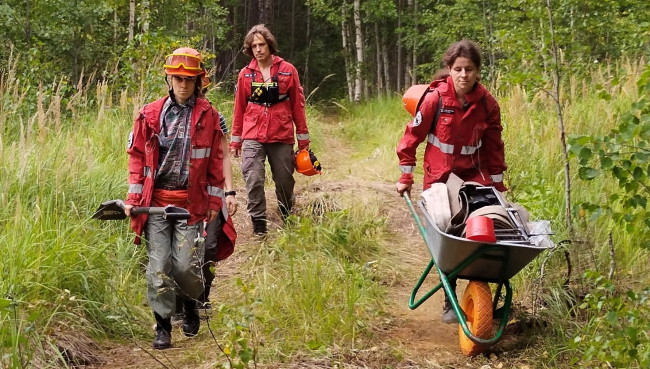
{"points": [[307, 163], [184, 61]]}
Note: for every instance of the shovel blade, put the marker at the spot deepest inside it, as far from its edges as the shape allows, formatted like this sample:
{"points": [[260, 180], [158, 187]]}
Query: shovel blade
{"points": [[110, 210]]}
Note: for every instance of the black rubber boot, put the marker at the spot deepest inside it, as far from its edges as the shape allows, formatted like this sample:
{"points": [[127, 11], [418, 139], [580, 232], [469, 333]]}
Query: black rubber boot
{"points": [[177, 317], [163, 338], [191, 320], [259, 226], [448, 314]]}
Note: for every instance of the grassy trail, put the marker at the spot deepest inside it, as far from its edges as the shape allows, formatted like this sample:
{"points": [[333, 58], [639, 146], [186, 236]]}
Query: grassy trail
{"points": [[401, 338]]}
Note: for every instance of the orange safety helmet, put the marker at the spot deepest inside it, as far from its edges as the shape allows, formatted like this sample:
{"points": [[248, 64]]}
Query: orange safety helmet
{"points": [[184, 61], [307, 163], [412, 97]]}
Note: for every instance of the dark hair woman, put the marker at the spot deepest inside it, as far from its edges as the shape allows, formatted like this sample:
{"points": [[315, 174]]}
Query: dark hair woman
{"points": [[465, 140]]}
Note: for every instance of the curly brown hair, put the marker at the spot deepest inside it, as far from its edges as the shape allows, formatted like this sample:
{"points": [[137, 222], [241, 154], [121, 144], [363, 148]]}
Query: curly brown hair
{"points": [[261, 30]]}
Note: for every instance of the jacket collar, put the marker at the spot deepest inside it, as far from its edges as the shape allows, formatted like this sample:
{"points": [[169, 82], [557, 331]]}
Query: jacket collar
{"points": [[152, 111], [446, 88], [253, 65]]}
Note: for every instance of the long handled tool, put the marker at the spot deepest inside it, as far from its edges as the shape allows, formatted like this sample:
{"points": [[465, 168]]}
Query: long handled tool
{"points": [[114, 210]]}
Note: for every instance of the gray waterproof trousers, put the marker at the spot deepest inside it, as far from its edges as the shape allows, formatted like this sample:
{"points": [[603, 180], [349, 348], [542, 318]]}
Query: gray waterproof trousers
{"points": [[282, 162], [213, 231], [175, 253]]}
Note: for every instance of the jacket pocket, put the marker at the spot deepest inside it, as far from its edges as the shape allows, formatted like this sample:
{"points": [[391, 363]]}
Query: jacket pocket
{"points": [[444, 127], [284, 82]]}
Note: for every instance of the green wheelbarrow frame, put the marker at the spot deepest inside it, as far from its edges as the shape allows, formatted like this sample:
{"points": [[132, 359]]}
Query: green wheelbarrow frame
{"points": [[504, 259]]}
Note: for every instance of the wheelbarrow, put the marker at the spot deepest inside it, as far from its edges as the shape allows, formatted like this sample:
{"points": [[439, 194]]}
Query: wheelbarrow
{"points": [[481, 263]]}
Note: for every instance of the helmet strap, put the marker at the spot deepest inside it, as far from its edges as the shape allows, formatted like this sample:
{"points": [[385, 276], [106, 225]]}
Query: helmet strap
{"points": [[170, 89]]}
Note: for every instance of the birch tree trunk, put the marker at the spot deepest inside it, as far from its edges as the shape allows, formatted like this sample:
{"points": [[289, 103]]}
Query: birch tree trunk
{"points": [[131, 20], [414, 56], [408, 66], [358, 45], [346, 54], [398, 76], [384, 53], [380, 82]]}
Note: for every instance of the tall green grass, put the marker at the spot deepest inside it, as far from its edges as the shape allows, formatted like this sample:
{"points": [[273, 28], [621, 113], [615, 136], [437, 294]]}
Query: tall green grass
{"points": [[63, 273]]}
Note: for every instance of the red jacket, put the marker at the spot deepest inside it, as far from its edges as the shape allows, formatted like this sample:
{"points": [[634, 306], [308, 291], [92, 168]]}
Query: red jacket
{"points": [[206, 181], [466, 141], [267, 124]]}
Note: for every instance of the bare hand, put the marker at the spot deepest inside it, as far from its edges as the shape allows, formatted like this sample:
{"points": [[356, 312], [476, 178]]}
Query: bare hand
{"points": [[231, 204], [403, 187], [127, 209], [212, 215], [235, 152]]}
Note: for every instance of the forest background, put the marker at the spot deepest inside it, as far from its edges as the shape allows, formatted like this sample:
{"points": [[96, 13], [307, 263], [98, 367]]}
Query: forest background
{"points": [[575, 72]]}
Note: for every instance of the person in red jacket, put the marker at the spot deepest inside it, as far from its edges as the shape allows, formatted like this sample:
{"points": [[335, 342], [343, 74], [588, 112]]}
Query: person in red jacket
{"points": [[176, 158], [465, 140], [269, 102]]}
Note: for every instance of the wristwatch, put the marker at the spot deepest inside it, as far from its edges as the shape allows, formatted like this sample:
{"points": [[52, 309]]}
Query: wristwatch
{"points": [[230, 193]]}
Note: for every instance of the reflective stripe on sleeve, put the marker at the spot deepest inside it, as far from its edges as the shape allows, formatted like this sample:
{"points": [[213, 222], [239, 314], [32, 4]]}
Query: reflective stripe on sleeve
{"points": [[201, 153], [216, 191], [446, 148], [135, 188], [147, 171], [407, 168], [497, 177], [469, 150], [303, 136], [235, 139]]}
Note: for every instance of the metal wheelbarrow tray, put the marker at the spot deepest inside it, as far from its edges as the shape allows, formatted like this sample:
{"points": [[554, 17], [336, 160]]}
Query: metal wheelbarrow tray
{"points": [[450, 251]]}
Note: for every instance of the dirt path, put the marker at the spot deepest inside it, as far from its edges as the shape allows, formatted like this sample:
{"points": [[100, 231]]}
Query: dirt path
{"points": [[419, 334]]}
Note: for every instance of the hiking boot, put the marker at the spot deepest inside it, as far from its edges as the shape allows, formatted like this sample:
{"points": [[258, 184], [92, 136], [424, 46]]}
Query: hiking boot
{"points": [[177, 318], [448, 314], [259, 226], [191, 320], [163, 339], [284, 212]]}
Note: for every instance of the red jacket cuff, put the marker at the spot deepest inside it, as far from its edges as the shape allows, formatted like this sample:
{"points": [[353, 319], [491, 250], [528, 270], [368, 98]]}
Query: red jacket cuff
{"points": [[500, 186], [303, 144], [406, 178], [235, 145]]}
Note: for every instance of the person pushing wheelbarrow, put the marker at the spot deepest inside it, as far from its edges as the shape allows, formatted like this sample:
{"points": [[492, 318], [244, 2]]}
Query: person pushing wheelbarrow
{"points": [[461, 122]]}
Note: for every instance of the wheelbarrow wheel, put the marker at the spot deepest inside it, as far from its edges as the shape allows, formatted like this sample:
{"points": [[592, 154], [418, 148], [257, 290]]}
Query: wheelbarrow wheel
{"points": [[477, 306]]}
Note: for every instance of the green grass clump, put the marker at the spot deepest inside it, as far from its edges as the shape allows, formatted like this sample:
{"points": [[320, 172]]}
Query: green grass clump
{"points": [[314, 285]]}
